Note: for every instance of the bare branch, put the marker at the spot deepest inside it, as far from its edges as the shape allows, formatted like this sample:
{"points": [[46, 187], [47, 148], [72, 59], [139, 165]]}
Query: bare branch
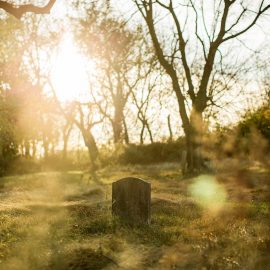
{"points": [[204, 22], [259, 13], [237, 20], [182, 48], [19, 11], [196, 30]]}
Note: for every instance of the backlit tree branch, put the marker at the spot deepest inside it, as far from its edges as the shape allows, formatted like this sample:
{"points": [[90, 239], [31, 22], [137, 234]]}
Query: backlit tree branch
{"points": [[19, 11]]}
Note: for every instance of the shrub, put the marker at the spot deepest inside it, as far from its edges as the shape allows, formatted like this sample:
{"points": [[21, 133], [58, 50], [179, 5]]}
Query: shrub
{"points": [[8, 145], [258, 120], [152, 153]]}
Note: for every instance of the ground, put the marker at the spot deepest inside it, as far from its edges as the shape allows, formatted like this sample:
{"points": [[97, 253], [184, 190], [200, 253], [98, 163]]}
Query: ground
{"points": [[63, 221]]}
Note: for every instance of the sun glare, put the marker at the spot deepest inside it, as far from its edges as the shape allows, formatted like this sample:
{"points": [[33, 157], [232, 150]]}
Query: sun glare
{"points": [[59, 9], [70, 76]]}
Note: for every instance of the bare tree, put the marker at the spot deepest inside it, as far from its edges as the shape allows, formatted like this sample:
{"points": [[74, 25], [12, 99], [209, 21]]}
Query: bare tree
{"points": [[82, 115], [66, 131], [117, 54], [24, 77], [141, 97], [225, 26], [85, 122], [19, 11]]}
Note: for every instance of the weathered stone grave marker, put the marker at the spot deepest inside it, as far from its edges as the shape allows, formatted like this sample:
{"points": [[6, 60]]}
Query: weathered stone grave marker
{"points": [[131, 200]]}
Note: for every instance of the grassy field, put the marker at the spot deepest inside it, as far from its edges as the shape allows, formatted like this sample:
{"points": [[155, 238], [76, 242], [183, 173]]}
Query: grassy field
{"points": [[63, 221]]}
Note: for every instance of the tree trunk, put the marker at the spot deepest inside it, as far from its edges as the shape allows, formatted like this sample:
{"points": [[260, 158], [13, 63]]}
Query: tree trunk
{"points": [[46, 148], [34, 149], [117, 123], [66, 134], [170, 128], [64, 150], [27, 149], [52, 149], [149, 132], [91, 145], [141, 134], [194, 140], [126, 137]]}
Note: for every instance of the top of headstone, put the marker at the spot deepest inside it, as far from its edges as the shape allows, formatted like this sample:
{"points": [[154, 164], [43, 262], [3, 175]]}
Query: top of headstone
{"points": [[127, 179]]}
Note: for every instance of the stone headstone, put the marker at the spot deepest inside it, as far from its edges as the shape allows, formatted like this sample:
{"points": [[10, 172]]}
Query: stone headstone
{"points": [[131, 200]]}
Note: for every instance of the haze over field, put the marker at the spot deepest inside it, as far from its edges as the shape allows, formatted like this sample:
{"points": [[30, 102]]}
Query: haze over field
{"points": [[134, 134]]}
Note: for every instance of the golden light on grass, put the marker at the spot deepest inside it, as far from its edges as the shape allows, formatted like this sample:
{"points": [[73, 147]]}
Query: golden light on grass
{"points": [[71, 72], [208, 193]]}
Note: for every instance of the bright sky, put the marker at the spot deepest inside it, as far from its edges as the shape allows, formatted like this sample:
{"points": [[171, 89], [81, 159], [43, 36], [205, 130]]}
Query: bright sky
{"points": [[70, 76]]}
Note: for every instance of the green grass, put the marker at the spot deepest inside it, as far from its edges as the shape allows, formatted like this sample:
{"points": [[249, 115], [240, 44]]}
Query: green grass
{"points": [[63, 221]]}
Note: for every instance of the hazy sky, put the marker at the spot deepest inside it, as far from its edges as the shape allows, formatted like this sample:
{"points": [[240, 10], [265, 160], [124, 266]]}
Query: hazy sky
{"points": [[126, 7]]}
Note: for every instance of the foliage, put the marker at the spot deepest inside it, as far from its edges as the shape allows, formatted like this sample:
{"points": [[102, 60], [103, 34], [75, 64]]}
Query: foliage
{"points": [[152, 153], [258, 120], [8, 143]]}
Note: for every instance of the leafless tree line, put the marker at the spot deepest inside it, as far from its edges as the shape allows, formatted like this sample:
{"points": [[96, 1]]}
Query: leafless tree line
{"points": [[197, 55]]}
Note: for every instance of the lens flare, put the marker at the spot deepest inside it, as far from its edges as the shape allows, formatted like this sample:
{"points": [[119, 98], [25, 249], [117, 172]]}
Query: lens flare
{"points": [[208, 193]]}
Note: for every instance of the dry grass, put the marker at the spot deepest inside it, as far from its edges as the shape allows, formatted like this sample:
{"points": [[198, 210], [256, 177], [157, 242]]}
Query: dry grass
{"points": [[60, 221]]}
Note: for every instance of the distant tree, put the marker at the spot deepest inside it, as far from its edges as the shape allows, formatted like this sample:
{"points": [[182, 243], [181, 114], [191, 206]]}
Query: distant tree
{"points": [[66, 131], [142, 97], [118, 54], [85, 117], [47, 128], [170, 128], [24, 75]]}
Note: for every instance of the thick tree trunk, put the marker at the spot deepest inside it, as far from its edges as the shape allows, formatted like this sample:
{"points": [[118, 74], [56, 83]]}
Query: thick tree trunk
{"points": [[189, 126], [117, 132], [189, 123], [194, 142]]}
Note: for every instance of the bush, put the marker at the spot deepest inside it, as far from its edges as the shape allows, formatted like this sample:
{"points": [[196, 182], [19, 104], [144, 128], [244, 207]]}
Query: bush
{"points": [[258, 120], [8, 144], [8, 153], [22, 165], [250, 137], [152, 153]]}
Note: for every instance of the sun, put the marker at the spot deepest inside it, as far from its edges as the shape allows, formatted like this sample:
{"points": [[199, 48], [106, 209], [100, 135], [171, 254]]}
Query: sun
{"points": [[70, 73]]}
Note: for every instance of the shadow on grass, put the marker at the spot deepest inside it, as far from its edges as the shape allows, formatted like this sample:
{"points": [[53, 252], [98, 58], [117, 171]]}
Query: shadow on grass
{"points": [[80, 259]]}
